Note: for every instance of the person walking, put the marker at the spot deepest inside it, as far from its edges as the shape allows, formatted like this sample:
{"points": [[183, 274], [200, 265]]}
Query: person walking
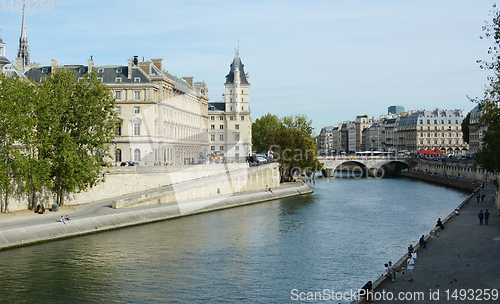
{"points": [[480, 216], [478, 196], [486, 217], [410, 263], [482, 196]]}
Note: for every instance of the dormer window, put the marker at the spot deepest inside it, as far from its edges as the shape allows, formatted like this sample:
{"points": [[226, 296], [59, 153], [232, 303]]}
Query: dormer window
{"points": [[137, 79], [100, 79], [45, 70], [118, 70], [81, 70], [100, 70], [118, 79]]}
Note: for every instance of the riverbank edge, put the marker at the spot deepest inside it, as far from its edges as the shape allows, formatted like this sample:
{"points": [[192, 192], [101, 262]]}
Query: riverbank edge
{"points": [[458, 184], [34, 234]]}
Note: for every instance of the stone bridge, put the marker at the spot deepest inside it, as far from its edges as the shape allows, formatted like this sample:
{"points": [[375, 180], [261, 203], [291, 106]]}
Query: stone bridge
{"points": [[366, 165]]}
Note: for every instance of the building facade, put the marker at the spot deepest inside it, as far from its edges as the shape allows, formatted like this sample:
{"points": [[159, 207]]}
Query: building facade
{"points": [[162, 119], [230, 120]]}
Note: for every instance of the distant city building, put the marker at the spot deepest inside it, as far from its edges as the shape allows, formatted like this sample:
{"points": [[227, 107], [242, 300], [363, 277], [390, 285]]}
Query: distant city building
{"points": [[362, 122], [328, 140], [395, 110], [3, 60], [438, 130], [476, 131], [230, 120]]}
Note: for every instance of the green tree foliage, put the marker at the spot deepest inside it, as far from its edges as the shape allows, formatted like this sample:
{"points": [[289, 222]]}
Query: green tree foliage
{"points": [[262, 127], [465, 127], [54, 134], [295, 152], [489, 157], [300, 123]]}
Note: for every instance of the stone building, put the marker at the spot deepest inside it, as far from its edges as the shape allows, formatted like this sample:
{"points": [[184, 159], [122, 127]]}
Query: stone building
{"points": [[438, 130], [162, 119], [230, 120]]}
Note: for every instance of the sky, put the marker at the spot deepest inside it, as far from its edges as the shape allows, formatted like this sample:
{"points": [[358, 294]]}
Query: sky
{"points": [[330, 60]]}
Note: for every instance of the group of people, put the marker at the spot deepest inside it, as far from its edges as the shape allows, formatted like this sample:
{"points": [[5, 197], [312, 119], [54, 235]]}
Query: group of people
{"points": [[40, 209], [485, 216]]}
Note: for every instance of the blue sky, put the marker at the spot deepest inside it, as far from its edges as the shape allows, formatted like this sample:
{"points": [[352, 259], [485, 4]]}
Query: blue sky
{"points": [[331, 60]]}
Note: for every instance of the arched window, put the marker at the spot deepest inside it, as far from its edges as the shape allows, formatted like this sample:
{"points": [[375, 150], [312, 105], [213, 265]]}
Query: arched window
{"points": [[118, 155], [137, 155]]}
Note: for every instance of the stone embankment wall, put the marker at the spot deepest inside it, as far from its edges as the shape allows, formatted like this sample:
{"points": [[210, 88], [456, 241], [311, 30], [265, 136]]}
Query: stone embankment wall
{"points": [[454, 170], [122, 181]]}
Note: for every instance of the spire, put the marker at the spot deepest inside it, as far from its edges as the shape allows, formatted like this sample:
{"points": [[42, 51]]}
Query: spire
{"points": [[23, 51]]}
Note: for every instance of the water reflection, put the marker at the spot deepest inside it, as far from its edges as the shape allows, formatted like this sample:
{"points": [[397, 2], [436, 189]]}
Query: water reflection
{"points": [[337, 238]]}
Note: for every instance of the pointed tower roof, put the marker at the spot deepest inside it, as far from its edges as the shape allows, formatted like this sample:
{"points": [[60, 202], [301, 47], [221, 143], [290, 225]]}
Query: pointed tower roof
{"points": [[237, 65], [23, 51]]}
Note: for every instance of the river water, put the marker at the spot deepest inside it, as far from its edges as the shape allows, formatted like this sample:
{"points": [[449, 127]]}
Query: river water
{"points": [[273, 252]]}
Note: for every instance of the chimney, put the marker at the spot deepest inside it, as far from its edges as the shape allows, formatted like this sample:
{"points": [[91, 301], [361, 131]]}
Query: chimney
{"points": [[91, 64], [130, 63], [189, 80], [158, 63], [145, 66], [20, 64], [53, 65]]}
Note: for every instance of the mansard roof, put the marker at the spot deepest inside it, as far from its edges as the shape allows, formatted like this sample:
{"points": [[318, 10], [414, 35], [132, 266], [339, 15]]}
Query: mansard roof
{"points": [[217, 106], [3, 59], [236, 65]]}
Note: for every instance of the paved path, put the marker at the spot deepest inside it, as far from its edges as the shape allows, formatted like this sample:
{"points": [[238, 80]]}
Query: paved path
{"points": [[463, 260]]}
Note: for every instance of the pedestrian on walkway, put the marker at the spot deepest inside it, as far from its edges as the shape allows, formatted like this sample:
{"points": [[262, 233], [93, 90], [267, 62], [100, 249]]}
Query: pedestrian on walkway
{"points": [[482, 196], [486, 216], [410, 263], [480, 216], [478, 196]]}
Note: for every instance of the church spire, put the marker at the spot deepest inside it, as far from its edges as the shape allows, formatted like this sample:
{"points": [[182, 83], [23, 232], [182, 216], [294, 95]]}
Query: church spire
{"points": [[23, 51]]}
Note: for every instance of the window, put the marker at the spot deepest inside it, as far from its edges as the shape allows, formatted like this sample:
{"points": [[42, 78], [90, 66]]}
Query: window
{"points": [[137, 110], [221, 137], [119, 70], [212, 148], [230, 99], [137, 79], [435, 121], [118, 79], [421, 142], [242, 107], [428, 128], [237, 127], [236, 137], [442, 142], [237, 148], [100, 70], [241, 91], [212, 117], [435, 128], [435, 141], [428, 121], [137, 128], [428, 134], [435, 135], [231, 108], [212, 127], [45, 70], [137, 95], [118, 155], [231, 92], [221, 117], [242, 101], [231, 117], [221, 127], [137, 155], [456, 122], [100, 79], [118, 95], [242, 118], [221, 148], [449, 122], [429, 141], [421, 134], [118, 110], [212, 137], [449, 141], [118, 129]]}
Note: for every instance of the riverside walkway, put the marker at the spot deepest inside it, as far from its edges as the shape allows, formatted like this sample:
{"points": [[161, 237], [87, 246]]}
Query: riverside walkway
{"points": [[460, 264], [26, 227]]}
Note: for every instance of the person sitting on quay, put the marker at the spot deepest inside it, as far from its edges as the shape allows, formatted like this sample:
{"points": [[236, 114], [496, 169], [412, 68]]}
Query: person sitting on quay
{"points": [[367, 292], [38, 208], [410, 249], [41, 210], [456, 212], [67, 218], [440, 224], [422, 242], [388, 273], [391, 269], [62, 220]]}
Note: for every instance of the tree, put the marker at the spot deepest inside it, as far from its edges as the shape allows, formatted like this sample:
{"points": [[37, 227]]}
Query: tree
{"points": [[300, 123], [81, 126], [262, 127], [54, 134], [295, 152], [488, 156]]}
